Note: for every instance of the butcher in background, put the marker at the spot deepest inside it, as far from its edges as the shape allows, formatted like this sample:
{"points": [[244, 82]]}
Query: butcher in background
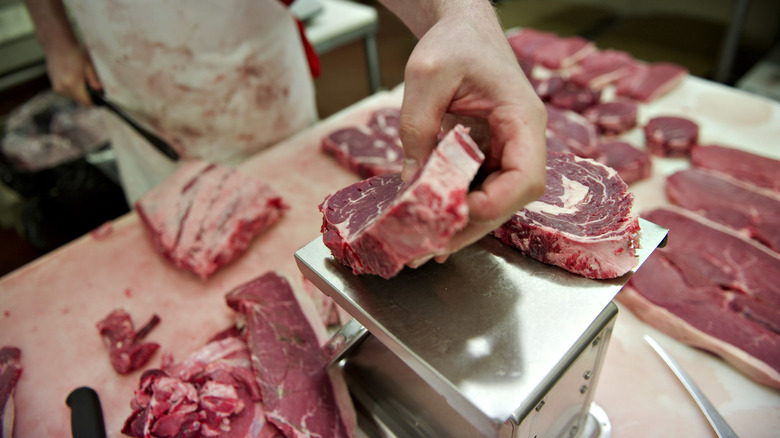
{"points": [[221, 81]]}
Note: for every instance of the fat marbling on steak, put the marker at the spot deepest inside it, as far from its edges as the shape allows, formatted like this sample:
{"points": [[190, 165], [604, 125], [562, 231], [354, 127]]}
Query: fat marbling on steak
{"points": [[583, 223], [205, 215], [379, 225]]}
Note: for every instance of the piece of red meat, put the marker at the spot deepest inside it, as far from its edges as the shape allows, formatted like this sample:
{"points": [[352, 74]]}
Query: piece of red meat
{"points": [[601, 68], [583, 223], [614, 117], [363, 151], [298, 393], [206, 215], [386, 122], [575, 98], [527, 41], [647, 82], [545, 88], [379, 225], [667, 136], [754, 169], [631, 163], [213, 392], [712, 289], [573, 130], [10, 373], [753, 213], [125, 350], [561, 53]]}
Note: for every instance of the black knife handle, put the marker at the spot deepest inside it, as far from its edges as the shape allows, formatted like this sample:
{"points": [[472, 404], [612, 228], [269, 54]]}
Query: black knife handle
{"points": [[86, 415], [160, 144]]}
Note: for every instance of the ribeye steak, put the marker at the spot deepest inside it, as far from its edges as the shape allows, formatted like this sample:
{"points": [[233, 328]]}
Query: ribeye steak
{"points": [[583, 223]]}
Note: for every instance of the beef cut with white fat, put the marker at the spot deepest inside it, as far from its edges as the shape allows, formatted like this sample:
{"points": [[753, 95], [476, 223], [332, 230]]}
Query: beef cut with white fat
{"points": [[669, 136], [573, 130], [583, 223], [371, 149], [205, 215], [713, 289], [763, 172], [379, 225], [754, 213], [613, 118], [213, 392], [10, 373], [300, 396]]}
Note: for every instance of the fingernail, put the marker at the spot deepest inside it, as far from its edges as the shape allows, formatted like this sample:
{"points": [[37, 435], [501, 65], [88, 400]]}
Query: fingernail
{"points": [[410, 169]]}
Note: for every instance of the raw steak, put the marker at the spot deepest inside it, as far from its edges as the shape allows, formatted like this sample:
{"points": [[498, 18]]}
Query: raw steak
{"points": [[299, 395], [601, 68], [205, 215], [547, 87], [631, 163], [527, 41], [380, 224], [125, 349], [364, 152], [712, 289], [385, 122], [10, 373], [671, 136], [573, 130], [649, 82], [761, 171], [613, 118], [562, 52], [726, 201], [575, 98], [213, 392], [583, 223]]}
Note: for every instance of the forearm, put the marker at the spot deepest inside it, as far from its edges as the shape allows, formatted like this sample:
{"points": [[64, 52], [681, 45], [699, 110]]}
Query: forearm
{"points": [[420, 15], [52, 26]]}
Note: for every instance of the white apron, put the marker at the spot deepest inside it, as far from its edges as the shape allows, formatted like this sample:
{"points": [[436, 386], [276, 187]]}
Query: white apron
{"points": [[219, 80]]}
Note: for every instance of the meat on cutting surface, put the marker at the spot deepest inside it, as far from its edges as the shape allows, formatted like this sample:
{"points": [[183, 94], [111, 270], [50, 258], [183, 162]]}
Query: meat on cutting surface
{"points": [[647, 82], [583, 223], [299, 395], [213, 392], [755, 169], [722, 199], [601, 68], [573, 130], [574, 97], [527, 41], [370, 150], [125, 350], [668, 136], [561, 53], [614, 117], [379, 225], [205, 215], [10, 373], [712, 289], [547, 87], [631, 163]]}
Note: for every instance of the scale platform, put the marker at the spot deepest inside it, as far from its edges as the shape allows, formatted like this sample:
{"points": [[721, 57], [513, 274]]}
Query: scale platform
{"points": [[490, 343]]}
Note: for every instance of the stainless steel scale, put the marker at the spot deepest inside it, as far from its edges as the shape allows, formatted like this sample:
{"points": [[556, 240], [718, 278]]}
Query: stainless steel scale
{"points": [[490, 343]]}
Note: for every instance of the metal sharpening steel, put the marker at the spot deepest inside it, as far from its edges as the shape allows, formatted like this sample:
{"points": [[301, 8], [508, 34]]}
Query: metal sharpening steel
{"points": [[490, 343]]}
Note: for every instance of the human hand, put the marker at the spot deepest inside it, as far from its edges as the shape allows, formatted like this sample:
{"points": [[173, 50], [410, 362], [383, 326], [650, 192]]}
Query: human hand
{"points": [[464, 71], [69, 70]]}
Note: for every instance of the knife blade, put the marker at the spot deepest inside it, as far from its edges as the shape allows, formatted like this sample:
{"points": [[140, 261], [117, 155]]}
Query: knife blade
{"points": [[718, 423], [158, 143]]}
